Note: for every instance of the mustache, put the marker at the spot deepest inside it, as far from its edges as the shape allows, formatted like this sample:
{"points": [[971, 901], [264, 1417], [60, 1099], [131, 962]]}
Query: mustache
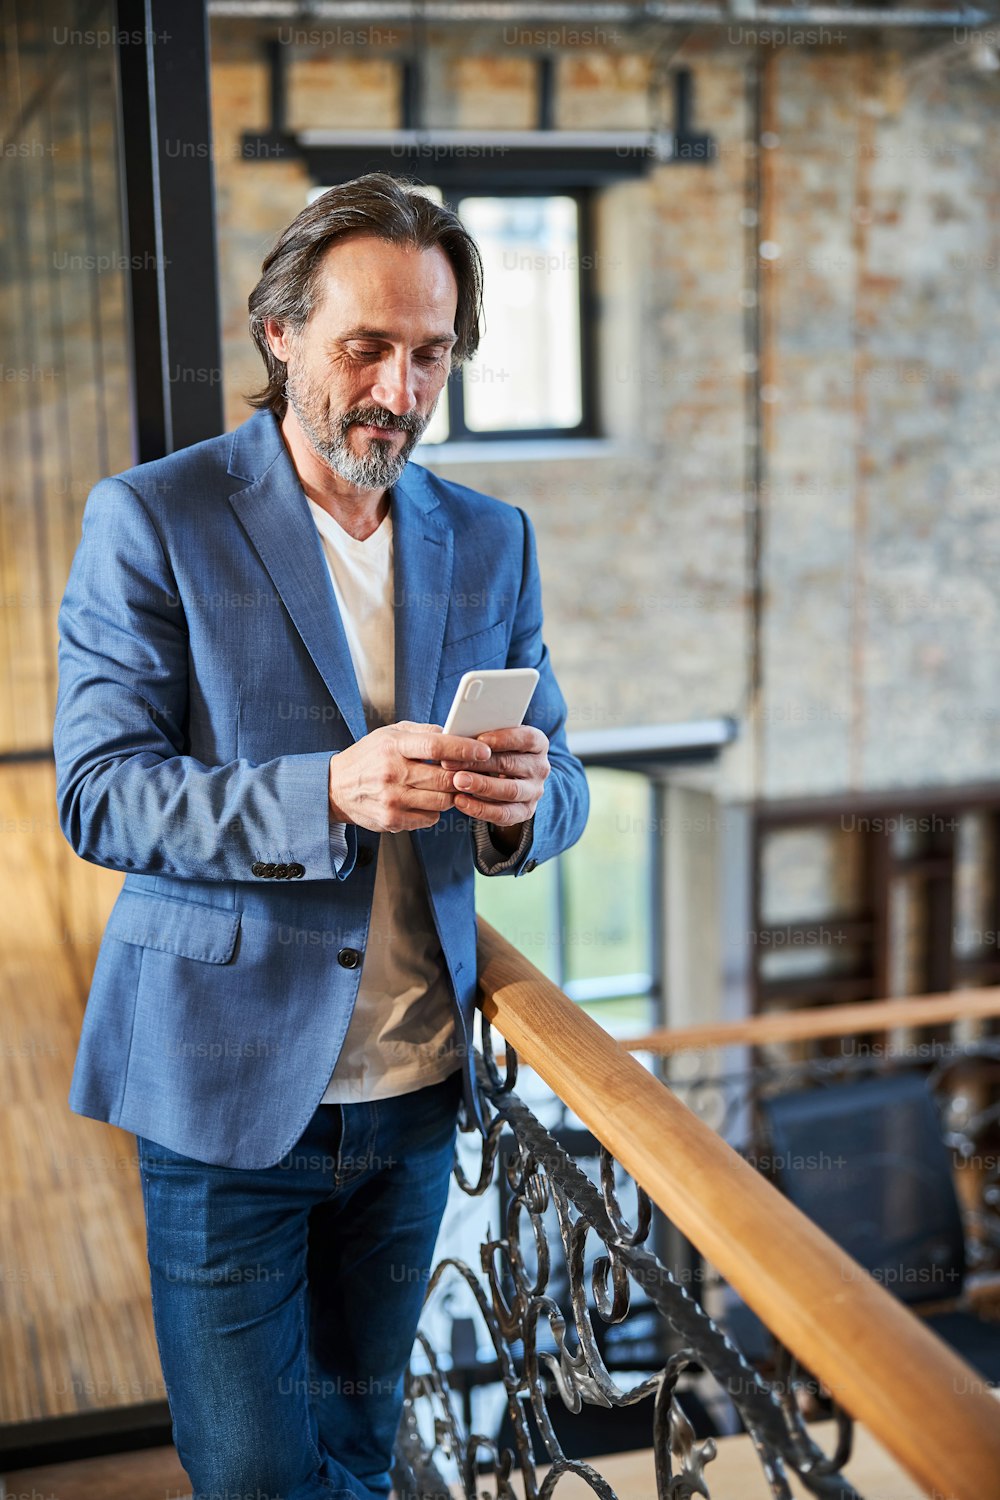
{"points": [[378, 416]]}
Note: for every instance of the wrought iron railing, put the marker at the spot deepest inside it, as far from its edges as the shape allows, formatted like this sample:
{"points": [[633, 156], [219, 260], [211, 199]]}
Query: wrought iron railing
{"points": [[540, 1173], [547, 1350]]}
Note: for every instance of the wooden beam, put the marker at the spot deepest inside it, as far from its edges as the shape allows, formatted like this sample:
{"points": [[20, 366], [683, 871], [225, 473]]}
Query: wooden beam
{"points": [[831, 1020]]}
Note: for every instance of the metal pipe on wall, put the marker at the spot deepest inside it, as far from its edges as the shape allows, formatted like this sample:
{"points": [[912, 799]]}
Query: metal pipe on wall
{"points": [[593, 13]]}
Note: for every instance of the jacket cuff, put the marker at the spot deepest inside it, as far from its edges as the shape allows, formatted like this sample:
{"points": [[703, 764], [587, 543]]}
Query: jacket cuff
{"points": [[493, 861], [343, 842]]}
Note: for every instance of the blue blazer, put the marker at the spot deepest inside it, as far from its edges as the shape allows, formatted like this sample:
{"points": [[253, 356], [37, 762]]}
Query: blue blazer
{"points": [[204, 682]]}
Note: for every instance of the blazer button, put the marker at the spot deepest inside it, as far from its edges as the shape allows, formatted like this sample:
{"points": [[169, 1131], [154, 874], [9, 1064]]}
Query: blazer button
{"points": [[281, 872], [267, 871], [365, 854], [296, 871], [348, 958], [257, 869], [530, 864]]}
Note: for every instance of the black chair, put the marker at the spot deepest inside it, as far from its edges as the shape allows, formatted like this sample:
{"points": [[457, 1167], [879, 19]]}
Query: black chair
{"points": [[866, 1162]]}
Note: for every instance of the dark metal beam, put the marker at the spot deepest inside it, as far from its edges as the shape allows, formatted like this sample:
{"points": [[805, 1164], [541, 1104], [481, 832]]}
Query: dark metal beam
{"points": [[169, 221], [505, 160], [545, 84], [552, 14], [446, 166], [411, 94]]}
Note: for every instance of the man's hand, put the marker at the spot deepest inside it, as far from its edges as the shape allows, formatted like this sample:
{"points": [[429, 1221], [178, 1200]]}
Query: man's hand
{"points": [[508, 791], [383, 781]]}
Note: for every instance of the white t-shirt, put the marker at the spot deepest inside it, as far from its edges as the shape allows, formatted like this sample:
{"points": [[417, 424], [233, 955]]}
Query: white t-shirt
{"points": [[402, 1032]]}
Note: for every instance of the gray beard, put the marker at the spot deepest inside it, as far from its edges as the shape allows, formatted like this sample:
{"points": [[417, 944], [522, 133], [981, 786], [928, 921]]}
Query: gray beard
{"points": [[381, 466]]}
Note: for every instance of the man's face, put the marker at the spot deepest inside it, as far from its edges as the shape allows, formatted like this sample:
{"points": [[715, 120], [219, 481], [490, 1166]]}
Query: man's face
{"points": [[365, 372]]}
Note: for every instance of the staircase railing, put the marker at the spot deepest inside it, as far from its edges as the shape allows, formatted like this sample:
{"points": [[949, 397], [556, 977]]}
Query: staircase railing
{"points": [[877, 1363]]}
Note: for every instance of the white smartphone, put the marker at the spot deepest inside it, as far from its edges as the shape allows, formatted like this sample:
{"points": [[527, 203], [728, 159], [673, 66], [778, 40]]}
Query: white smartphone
{"points": [[497, 698]]}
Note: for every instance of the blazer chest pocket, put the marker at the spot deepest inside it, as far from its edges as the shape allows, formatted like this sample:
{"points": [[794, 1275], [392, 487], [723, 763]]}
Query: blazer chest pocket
{"points": [[484, 648], [188, 928]]}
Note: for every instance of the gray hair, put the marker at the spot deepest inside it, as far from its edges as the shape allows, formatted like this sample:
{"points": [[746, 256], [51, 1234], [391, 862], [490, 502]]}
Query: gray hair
{"points": [[389, 208]]}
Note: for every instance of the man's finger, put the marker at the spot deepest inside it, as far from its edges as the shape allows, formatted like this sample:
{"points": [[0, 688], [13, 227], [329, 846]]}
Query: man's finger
{"points": [[505, 763], [429, 777], [490, 788], [420, 799], [501, 813], [519, 737], [430, 745]]}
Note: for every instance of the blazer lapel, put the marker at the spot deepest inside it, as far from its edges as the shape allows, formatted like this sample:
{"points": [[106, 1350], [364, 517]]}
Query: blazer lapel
{"points": [[423, 559], [275, 513]]}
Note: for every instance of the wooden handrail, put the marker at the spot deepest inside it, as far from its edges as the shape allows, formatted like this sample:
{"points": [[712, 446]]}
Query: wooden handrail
{"points": [[923, 1403], [829, 1020]]}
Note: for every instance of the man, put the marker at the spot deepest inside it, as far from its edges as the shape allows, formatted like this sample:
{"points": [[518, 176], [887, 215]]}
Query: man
{"points": [[259, 642]]}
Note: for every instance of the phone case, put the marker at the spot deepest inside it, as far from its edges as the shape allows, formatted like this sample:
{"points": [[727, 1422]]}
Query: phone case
{"points": [[495, 699]]}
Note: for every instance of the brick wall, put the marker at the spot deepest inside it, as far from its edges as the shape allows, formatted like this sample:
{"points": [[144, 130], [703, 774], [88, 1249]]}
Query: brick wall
{"points": [[879, 309]]}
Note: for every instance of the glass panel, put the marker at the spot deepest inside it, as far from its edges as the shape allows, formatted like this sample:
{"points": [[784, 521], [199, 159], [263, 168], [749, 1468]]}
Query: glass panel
{"points": [[627, 1016], [527, 372], [607, 880], [524, 911]]}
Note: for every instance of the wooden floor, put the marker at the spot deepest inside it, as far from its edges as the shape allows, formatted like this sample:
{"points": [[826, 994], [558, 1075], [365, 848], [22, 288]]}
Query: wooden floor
{"points": [[154, 1474], [734, 1474], [77, 1331]]}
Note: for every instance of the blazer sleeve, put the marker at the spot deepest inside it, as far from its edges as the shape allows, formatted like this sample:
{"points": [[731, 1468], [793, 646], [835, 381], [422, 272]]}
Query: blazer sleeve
{"points": [[561, 813], [128, 797]]}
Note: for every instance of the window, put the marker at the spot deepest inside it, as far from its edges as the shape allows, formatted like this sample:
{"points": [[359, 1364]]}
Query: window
{"points": [[531, 376], [527, 376], [587, 918]]}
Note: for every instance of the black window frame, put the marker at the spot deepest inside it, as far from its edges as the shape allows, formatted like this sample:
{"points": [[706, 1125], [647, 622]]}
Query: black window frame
{"points": [[458, 430]]}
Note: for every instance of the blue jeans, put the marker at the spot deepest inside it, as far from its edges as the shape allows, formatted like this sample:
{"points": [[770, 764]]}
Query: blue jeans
{"points": [[285, 1300]]}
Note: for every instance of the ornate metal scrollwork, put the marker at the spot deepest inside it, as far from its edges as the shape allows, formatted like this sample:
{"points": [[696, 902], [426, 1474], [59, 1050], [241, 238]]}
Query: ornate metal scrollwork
{"points": [[562, 1359]]}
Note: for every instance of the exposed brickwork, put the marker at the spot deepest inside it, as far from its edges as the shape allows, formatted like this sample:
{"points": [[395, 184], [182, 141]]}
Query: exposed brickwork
{"points": [[879, 626]]}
